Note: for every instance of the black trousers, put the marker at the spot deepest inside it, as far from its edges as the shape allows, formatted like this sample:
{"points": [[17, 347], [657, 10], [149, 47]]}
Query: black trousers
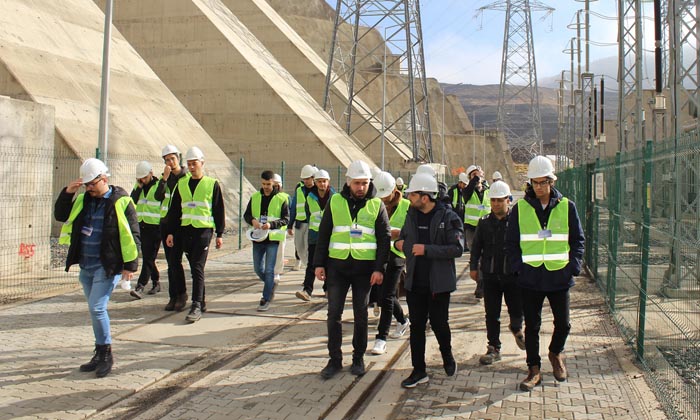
{"points": [[388, 300], [424, 305], [310, 273], [338, 282], [196, 246], [150, 245], [176, 274], [496, 288], [532, 308]]}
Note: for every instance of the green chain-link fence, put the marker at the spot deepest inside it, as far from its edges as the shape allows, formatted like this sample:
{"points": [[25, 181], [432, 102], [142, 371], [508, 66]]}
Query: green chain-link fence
{"points": [[641, 215]]}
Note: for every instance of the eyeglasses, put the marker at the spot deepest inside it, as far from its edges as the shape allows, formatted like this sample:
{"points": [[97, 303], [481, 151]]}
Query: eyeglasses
{"points": [[540, 183], [93, 182]]}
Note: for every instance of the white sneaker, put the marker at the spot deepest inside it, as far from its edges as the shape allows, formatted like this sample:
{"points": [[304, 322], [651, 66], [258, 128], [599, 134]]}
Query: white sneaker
{"points": [[379, 347], [400, 329], [277, 278]]}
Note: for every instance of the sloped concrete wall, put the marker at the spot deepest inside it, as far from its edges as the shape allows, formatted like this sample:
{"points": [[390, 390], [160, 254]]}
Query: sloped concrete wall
{"points": [[26, 147], [235, 88], [51, 53]]}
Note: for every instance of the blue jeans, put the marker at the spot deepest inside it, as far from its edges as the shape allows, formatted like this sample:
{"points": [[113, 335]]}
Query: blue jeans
{"points": [[97, 287], [264, 257]]}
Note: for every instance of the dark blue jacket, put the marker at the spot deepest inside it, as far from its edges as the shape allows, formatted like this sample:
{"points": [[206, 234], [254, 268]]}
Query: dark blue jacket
{"points": [[539, 278]]}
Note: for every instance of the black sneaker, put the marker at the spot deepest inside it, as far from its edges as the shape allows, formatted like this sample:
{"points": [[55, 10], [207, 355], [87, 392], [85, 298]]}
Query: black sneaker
{"points": [[450, 366], [204, 307], [415, 379], [195, 312], [155, 289], [331, 369], [358, 367], [170, 306], [137, 293]]}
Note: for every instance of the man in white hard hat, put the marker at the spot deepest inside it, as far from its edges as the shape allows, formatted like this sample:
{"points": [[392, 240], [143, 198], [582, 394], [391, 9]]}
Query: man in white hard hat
{"points": [[496, 176], [457, 196], [172, 173], [352, 250], [267, 210], [431, 238], [316, 202], [545, 244], [299, 224], [279, 262], [196, 212], [476, 195], [101, 228], [397, 208], [400, 185], [148, 214], [488, 259]]}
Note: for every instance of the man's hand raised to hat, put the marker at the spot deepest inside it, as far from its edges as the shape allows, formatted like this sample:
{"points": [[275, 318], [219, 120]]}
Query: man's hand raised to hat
{"points": [[74, 186]]}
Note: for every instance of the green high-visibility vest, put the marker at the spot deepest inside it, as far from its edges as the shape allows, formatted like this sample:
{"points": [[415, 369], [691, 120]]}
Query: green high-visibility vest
{"points": [[301, 202], [549, 247], [397, 220], [354, 238], [165, 204], [126, 239], [274, 212], [196, 208], [315, 211], [475, 209], [148, 208]]}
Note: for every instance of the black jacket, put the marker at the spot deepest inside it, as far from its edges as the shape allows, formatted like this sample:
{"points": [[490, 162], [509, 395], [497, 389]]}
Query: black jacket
{"points": [[382, 232], [539, 278], [489, 246], [446, 236], [110, 250]]}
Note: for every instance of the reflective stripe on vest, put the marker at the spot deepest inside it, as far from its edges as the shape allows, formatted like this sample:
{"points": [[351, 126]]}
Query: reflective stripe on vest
{"points": [[274, 212], [342, 242], [148, 208], [196, 209], [315, 212], [475, 209], [553, 251], [126, 239], [301, 201], [165, 204], [397, 220]]}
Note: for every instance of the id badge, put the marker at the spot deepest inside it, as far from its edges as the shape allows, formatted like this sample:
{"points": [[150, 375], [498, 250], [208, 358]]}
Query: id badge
{"points": [[355, 232], [86, 230], [544, 233], [263, 219], [482, 207], [192, 205]]}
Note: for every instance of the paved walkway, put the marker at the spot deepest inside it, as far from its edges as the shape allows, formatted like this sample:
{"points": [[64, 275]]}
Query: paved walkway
{"points": [[239, 363]]}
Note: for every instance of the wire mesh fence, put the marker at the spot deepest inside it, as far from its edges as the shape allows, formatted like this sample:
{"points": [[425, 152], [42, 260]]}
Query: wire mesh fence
{"points": [[641, 214]]}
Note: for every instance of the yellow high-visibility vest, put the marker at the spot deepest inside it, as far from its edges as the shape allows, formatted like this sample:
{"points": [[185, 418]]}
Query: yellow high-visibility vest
{"points": [[357, 237], [274, 212], [549, 247], [197, 207]]}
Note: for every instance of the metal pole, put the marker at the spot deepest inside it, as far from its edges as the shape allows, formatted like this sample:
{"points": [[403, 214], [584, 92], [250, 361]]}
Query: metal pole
{"points": [[384, 100], [240, 203], [443, 127], [104, 92]]}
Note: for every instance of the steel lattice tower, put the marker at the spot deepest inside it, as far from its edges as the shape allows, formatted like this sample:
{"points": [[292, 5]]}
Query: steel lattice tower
{"points": [[518, 100], [630, 75], [356, 60]]}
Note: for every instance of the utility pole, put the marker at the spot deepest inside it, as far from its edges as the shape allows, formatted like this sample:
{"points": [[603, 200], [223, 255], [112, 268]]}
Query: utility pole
{"points": [[103, 130]]}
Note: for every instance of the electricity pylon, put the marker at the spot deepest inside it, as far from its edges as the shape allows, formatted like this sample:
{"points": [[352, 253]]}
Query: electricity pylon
{"points": [[518, 100], [357, 60]]}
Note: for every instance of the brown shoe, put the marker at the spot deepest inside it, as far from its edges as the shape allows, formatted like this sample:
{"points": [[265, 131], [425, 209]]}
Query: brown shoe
{"points": [[559, 370], [533, 379], [181, 302]]}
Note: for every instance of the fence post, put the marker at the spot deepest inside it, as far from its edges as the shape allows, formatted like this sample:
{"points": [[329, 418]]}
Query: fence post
{"points": [[613, 232], [282, 170], [240, 203], [641, 324]]}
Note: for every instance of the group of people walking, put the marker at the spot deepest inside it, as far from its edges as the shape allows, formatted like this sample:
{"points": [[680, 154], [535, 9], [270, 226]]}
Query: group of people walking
{"points": [[372, 233]]}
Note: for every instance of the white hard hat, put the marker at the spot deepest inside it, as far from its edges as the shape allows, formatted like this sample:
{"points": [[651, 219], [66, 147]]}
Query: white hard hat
{"points": [[539, 167], [92, 168], [464, 177], [257, 235], [426, 169], [277, 178], [359, 170], [499, 189], [322, 174], [375, 172], [385, 183], [308, 171], [422, 183], [496, 175], [194, 153], [169, 149], [143, 168], [399, 181], [471, 169]]}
